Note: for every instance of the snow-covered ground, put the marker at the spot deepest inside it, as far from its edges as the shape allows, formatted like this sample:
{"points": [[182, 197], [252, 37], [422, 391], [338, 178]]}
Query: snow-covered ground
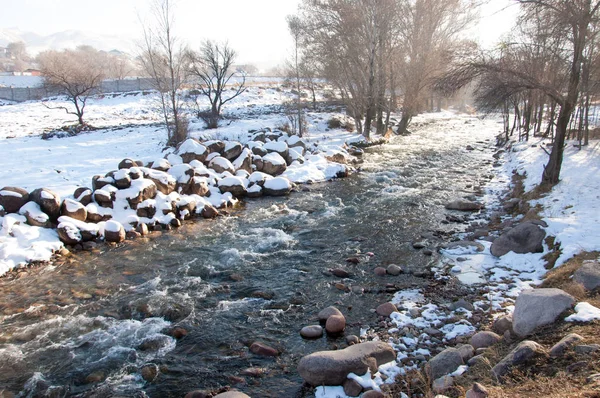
{"points": [[129, 128]]}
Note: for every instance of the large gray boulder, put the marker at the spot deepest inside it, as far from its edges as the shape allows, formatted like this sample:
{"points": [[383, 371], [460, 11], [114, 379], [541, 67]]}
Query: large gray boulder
{"points": [[526, 237], [539, 307], [588, 275], [331, 368], [522, 353], [444, 363]]}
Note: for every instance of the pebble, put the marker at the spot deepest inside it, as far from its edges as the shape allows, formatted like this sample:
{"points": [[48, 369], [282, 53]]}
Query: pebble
{"points": [[380, 271], [394, 269], [263, 350], [340, 273], [352, 339], [386, 309], [335, 324], [149, 372], [311, 332]]}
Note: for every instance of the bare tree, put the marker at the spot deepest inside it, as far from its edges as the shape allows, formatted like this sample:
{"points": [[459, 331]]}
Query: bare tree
{"points": [[78, 74], [163, 59], [213, 66], [295, 28]]}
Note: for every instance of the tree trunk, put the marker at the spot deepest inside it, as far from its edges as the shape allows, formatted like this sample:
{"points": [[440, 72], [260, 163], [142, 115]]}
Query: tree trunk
{"points": [[403, 125]]}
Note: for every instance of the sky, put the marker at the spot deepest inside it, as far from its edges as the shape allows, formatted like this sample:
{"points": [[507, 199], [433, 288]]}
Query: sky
{"points": [[256, 29]]}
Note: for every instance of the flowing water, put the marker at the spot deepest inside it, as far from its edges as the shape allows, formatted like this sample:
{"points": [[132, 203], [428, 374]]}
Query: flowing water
{"points": [[86, 325]]}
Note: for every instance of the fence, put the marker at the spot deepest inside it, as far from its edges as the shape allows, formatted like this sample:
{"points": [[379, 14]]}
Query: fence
{"points": [[20, 94]]}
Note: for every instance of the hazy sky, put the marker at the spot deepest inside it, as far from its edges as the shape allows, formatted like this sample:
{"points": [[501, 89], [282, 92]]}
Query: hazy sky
{"points": [[255, 28]]}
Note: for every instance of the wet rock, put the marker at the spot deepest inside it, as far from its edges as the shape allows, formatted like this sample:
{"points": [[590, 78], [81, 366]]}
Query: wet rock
{"points": [[353, 260], [149, 372], [380, 271], [232, 394], [178, 333], [335, 324], [526, 237], [234, 185], [503, 324], [386, 309], [588, 275], [340, 273], [48, 201], [464, 205], [311, 332], [13, 198], [254, 372], [154, 343], [539, 307], [331, 368], [428, 252], [442, 384], [209, 211], [444, 363], [485, 339], [324, 314], [522, 353], [394, 269], [565, 344], [263, 350], [352, 388], [95, 377]]}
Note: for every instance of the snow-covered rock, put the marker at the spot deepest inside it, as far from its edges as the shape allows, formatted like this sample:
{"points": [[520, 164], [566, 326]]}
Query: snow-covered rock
{"points": [[48, 201], [34, 215], [114, 231], [73, 209], [278, 186], [13, 198], [191, 150], [273, 164], [221, 165]]}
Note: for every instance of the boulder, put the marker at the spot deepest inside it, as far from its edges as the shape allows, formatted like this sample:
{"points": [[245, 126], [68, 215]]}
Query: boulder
{"points": [[13, 198], [83, 195], [103, 198], [99, 182], [234, 185], [278, 186], [503, 324], [273, 164], [209, 211], [279, 147], [114, 232], [127, 164], [466, 352], [48, 201], [160, 165], [331, 368], [335, 324], [244, 161], [74, 209], [464, 205], [325, 313], [220, 165], [149, 372], [34, 215], [122, 179], [525, 351], [394, 269], [165, 183], [232, 150], [232, 394], [526, 237], [564, 344], [68, 233], [191, 149], [485, 339], [352, 388], [141, 191], [311, 332], [588, 275], [198, 186], [539, 307], [386, 309], [444, 363], [263, 350]]}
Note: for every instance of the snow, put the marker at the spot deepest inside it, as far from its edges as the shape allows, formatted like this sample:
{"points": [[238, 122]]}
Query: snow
{"points": [[584, 312], [113, 226], [276, 146], [278, 183], [274, 158], [233, 181], [34, 211], [192, 146], [5, 192]]}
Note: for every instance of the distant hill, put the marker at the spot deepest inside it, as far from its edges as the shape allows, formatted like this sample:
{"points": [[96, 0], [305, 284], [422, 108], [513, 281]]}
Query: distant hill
{"points": [[67, 39]]}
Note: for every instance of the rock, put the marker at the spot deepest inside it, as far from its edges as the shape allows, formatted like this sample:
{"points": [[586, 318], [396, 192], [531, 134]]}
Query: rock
{"points": [[352, 388], [198, 186], [103, 198], [373, 394], [68, 233], [191, 149], [466, 351], [588, 275], [165, 183], [215, 146], [197, 394], [234, 185], [335, 324], [564, 344], [485, 339], [526, 237], [577, 366], [331, 368], [220, 165], [586, 348], [95, 377], [99, 182], [232, 150], [149, 372], [13, 198], [465, 244], [477, 391], [311, 332], [461, 303], [539, 307], [209, 211], [74, 209], [503, 324], [122, 179], [340, 273], [34, 215], [127, 164], [386, 309], [178, 333], [442, 384], [525, 351], [464, 205], [380, 271], [324, 314], [114, 232], [478, 360], [273, 164], [419, 245], [232, 394], [444, 363], [263, 350], [394, 269], [352, 339], [48, 201], [278, 186]]}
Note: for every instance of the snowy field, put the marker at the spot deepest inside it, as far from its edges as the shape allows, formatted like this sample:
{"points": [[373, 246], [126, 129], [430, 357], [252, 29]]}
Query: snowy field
{"points": [[129, 128]]}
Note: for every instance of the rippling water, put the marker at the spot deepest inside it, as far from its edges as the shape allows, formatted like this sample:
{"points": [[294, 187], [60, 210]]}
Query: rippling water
{"points": [[85, 326]]}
